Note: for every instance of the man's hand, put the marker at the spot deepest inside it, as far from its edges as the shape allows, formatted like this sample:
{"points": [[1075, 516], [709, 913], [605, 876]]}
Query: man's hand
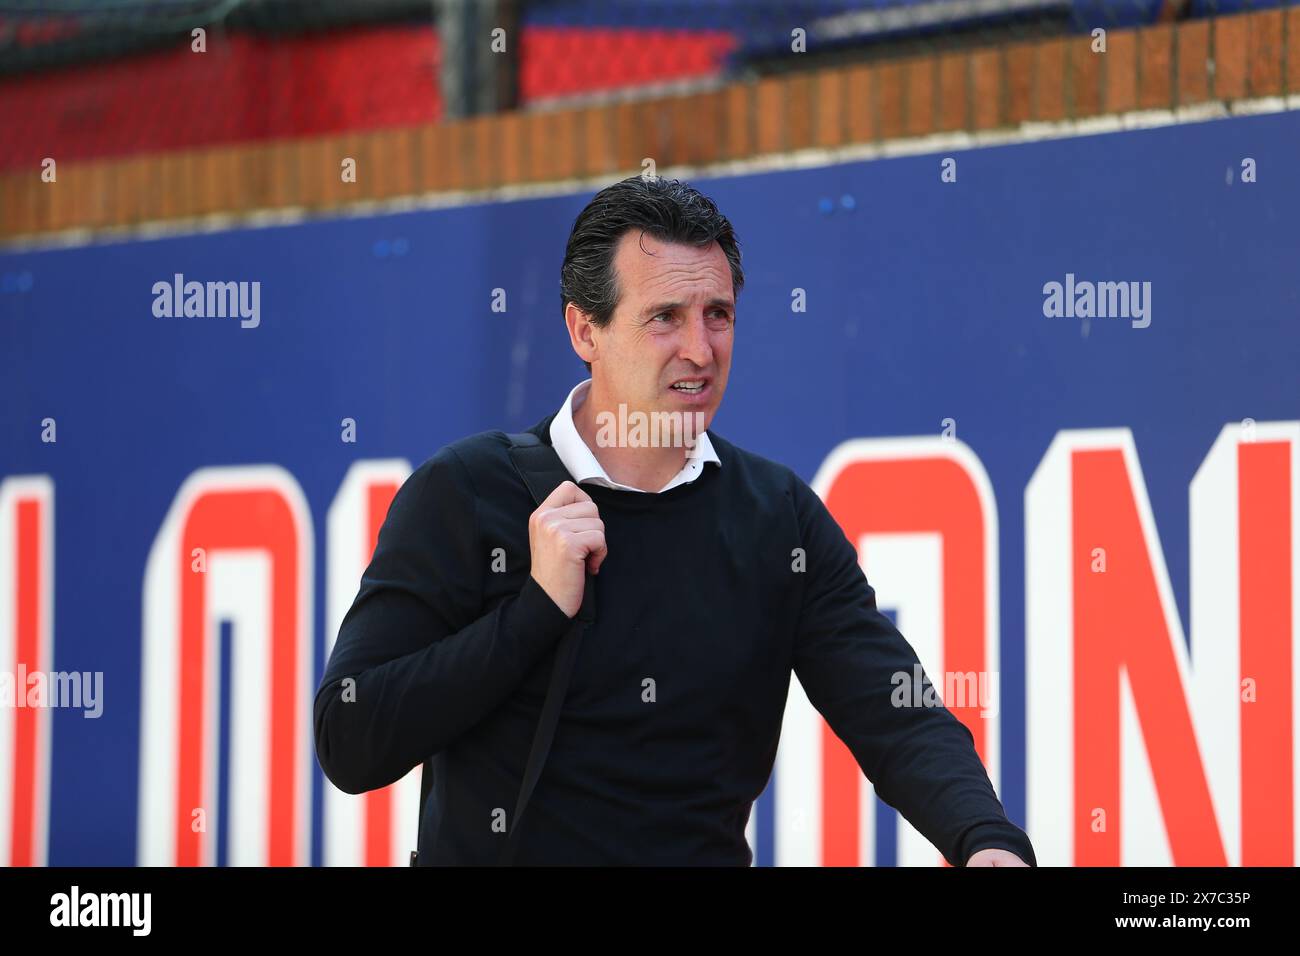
{"points": [[566, 538], [993, 857]]}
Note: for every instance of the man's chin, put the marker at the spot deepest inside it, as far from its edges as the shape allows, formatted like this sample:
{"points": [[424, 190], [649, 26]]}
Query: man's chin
{"points": [[685, 420]]}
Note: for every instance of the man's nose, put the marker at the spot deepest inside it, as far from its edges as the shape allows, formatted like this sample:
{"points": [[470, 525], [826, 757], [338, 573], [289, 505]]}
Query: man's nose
{"points": [[695, 343]]}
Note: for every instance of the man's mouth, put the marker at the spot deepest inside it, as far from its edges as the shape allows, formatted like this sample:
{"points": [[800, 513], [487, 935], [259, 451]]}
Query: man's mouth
{"points": [[690, 386]]}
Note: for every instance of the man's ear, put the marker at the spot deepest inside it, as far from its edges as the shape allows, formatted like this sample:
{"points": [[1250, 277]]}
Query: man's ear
{"points": [[582, 334]]}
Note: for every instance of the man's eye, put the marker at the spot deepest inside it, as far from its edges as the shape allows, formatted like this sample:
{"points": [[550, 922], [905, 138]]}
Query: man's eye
{"points": [[664, 315]]}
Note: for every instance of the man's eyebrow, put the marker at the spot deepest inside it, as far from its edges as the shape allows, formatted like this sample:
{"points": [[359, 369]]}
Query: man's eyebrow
{"points": [[674, 306]]}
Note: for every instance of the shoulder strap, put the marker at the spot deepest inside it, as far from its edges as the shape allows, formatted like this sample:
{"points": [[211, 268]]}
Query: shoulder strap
{"points": [[541, 471], [538, 465]]}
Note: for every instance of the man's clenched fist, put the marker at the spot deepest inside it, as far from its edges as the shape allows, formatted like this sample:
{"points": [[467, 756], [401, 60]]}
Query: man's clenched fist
{"points": [[566, 539]]}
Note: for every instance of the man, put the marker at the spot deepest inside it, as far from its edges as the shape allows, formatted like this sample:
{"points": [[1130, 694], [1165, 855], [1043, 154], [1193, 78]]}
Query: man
{"points": [[716, 574]]}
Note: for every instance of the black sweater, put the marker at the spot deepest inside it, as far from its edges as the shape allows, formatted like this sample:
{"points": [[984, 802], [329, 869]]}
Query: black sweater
{"points": [[669, 729]]}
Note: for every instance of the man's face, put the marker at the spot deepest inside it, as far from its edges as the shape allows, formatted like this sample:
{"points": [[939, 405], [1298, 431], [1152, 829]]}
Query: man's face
{"points": [[668, 345]]}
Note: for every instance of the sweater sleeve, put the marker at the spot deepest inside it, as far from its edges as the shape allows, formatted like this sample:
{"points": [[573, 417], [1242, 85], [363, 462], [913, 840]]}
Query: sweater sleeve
{"points": [[417, 662], [921, 760]]}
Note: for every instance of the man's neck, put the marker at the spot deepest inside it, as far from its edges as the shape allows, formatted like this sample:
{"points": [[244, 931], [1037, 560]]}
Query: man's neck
{"points": [[646, 468]]}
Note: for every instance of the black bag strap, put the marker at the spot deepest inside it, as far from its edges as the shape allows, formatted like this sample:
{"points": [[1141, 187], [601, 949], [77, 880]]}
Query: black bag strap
{"points": [[542, 472]]}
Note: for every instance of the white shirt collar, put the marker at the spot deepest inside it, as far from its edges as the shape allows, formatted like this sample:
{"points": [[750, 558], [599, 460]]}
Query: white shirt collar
{"points": [[582, 464]]}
